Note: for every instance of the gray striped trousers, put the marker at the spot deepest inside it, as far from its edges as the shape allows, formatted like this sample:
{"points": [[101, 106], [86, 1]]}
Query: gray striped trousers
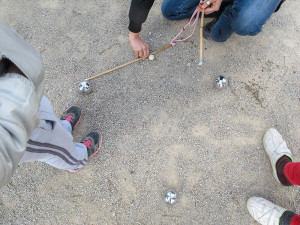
{"points": [[52, 142]]}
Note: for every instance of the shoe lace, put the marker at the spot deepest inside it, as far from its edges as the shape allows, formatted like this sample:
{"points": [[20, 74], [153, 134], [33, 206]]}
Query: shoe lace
{"points": [[69, 118], [87, 143]]}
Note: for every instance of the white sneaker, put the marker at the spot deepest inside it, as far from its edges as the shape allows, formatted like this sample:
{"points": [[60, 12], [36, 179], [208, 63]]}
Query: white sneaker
{"points": [[264, 211], [275, 147]]}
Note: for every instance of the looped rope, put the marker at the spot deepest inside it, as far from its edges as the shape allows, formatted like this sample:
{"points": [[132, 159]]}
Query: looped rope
{"points": [[195, 17]]}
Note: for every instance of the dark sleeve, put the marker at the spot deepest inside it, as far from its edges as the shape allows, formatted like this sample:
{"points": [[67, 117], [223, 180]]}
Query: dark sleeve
{"points": [[138, 14], [278, 7]]}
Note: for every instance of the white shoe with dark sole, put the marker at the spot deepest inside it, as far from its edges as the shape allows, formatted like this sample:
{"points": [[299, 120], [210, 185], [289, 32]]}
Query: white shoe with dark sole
{"points": [[264, 211], [275, 147]]}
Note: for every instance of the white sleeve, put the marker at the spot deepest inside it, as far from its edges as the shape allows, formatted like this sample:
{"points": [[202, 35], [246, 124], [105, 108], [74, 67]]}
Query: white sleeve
{"points": [[18, 118]]}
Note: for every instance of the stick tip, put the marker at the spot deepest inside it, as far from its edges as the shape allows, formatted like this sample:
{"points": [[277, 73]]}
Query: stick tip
{"points": [[200, 62]]}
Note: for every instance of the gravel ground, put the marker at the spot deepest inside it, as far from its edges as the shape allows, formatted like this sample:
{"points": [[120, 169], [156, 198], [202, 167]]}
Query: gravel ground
{"points": [[164, 125]]}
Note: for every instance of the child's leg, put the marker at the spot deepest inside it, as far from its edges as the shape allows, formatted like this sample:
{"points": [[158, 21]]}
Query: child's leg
{"points": [[52, 142]]}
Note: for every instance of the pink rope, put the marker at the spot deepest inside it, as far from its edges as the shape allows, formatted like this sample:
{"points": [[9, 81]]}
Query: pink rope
{"points": [[195, 16]]}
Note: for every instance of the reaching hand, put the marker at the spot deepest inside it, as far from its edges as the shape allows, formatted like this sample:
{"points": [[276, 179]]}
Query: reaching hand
{"points": [[214, 6], [140, 48]]}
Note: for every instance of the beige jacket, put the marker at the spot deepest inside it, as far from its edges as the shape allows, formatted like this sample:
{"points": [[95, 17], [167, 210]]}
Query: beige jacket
{"points": [[19, 99]]}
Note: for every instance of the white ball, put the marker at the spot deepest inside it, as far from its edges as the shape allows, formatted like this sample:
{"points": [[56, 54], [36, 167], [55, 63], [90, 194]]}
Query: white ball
{"points": [[151, 57]]}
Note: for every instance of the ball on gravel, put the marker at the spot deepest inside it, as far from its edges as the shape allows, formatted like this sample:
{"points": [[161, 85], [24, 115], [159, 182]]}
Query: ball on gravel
{"points": [[85, 87], [221, 82], [151, 57], [170, 197]]}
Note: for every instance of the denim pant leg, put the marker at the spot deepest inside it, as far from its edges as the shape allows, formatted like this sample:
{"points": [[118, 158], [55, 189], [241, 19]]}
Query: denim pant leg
{"points": [[178, 9], [244, 17], [181, 9]]}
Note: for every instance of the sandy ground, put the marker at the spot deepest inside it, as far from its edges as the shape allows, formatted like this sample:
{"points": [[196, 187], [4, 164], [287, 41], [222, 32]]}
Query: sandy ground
{"points": [[164, 124]]}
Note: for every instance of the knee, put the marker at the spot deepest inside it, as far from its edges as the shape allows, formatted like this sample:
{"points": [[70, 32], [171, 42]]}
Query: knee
{"points": [[166, 10], [245, 26], [164, 13], [176, 10], [219, 38], [245, 23], [220, 33]]}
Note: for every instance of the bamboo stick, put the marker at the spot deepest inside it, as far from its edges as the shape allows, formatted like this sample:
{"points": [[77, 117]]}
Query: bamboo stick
{"points": [[126, 64], [201, 39]]}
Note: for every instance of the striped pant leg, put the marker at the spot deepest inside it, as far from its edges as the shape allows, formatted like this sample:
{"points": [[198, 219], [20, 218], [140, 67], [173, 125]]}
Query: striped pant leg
{"points": [[52, 143]]}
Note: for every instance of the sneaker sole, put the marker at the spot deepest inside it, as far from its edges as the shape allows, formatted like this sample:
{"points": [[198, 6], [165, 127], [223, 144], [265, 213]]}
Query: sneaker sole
{"points": [[100, 144]]}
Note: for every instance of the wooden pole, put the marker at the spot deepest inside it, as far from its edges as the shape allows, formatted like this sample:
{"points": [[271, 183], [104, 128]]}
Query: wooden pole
{"points": [[126, 64], [201, 39]]}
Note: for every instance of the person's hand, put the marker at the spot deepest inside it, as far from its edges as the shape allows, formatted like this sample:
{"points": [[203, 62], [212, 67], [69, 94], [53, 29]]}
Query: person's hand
{"points": [[140, 48], [214, 6]]}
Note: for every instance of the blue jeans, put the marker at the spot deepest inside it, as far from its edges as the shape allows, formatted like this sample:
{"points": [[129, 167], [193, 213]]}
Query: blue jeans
{"points": [[243, 17]]}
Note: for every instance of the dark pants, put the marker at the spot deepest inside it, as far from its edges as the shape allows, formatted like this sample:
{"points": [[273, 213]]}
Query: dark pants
{"points": [[243, 17]]}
